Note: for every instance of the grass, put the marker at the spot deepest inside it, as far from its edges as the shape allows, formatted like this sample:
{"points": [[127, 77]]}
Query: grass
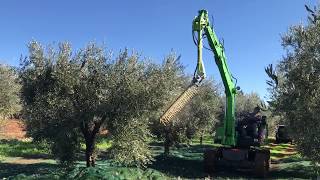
{"points": [[27, 149], [39, 170], [104, 144], [107, 171], [288, 163], [184, 162]]}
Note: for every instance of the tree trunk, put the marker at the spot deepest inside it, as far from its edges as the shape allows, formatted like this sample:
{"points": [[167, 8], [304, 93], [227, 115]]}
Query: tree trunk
{"points": [[201, 137], [167, 144], [90, 132], [90, 151], [166, 148]]}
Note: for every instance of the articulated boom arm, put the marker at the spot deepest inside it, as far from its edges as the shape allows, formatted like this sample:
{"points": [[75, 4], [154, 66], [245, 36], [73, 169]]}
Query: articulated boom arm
{"points": [[201, 26]]}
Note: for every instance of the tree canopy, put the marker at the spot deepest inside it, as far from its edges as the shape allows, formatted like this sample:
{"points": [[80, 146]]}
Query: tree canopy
{"points": [[9, 91], [69, 96], [295, 85]]}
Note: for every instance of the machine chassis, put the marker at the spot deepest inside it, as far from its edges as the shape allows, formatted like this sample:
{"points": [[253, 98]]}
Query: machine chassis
{"points": [[255, 159]]}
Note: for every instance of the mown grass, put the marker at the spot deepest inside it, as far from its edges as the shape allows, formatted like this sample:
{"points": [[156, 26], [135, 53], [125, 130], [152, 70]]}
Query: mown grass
{"points": [[28, 149], [104, 144], [288, 163]]}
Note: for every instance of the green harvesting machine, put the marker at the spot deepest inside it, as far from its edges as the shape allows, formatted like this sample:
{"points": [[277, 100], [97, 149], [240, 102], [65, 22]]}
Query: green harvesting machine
{"points": [[241, 140]]}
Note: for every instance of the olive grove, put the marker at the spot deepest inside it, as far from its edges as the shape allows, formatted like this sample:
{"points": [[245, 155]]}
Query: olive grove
{"points": [[295, 85], [69, 96], [197, 118]]}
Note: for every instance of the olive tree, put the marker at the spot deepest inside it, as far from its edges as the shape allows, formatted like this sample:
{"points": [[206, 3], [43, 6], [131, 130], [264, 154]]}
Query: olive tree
{"points": [[246, 102], [197, 117], [172, 81], [9, 91], [65, 97], [295, 85], [150, 91], [69, 96], [203, 110]]}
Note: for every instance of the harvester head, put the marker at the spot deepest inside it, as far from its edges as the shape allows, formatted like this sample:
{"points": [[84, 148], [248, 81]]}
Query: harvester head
{"points": [[179, 103]]}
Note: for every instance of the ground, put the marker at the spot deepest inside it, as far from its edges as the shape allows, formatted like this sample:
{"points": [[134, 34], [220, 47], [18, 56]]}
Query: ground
{"points": [[22, 158], [11, 129]]}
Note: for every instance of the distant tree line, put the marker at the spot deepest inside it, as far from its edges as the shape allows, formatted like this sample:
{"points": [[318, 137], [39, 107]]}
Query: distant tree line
{"points": [[10, 87]]}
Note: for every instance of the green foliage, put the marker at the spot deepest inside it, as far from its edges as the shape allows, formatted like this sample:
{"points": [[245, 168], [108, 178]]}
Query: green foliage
{"points": [[171, 82], [197, 117], [66, 147], [61, 94], [68, 97], [149, 91], [116, 173], [203, 109], [130, 147], [246, 102], [34, 177], [9, 91], [297, 96]]}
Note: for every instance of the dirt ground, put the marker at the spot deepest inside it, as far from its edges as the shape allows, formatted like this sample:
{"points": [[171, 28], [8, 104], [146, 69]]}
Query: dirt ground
{"points": [[12, 129]]}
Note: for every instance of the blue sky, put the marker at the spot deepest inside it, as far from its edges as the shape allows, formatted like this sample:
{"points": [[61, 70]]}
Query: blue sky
{"points": [[251, 29]]}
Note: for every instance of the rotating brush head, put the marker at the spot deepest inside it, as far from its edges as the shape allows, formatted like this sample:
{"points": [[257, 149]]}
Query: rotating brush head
{"points": [[179, 104]]}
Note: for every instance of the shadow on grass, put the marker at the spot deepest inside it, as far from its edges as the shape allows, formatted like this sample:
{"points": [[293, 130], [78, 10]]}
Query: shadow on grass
{"points": [[8, 169], [188, 163], [185, 162], [281, 155], [178, 166], [293, 158], [293, 171], [193, 168], [282, 151]]}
